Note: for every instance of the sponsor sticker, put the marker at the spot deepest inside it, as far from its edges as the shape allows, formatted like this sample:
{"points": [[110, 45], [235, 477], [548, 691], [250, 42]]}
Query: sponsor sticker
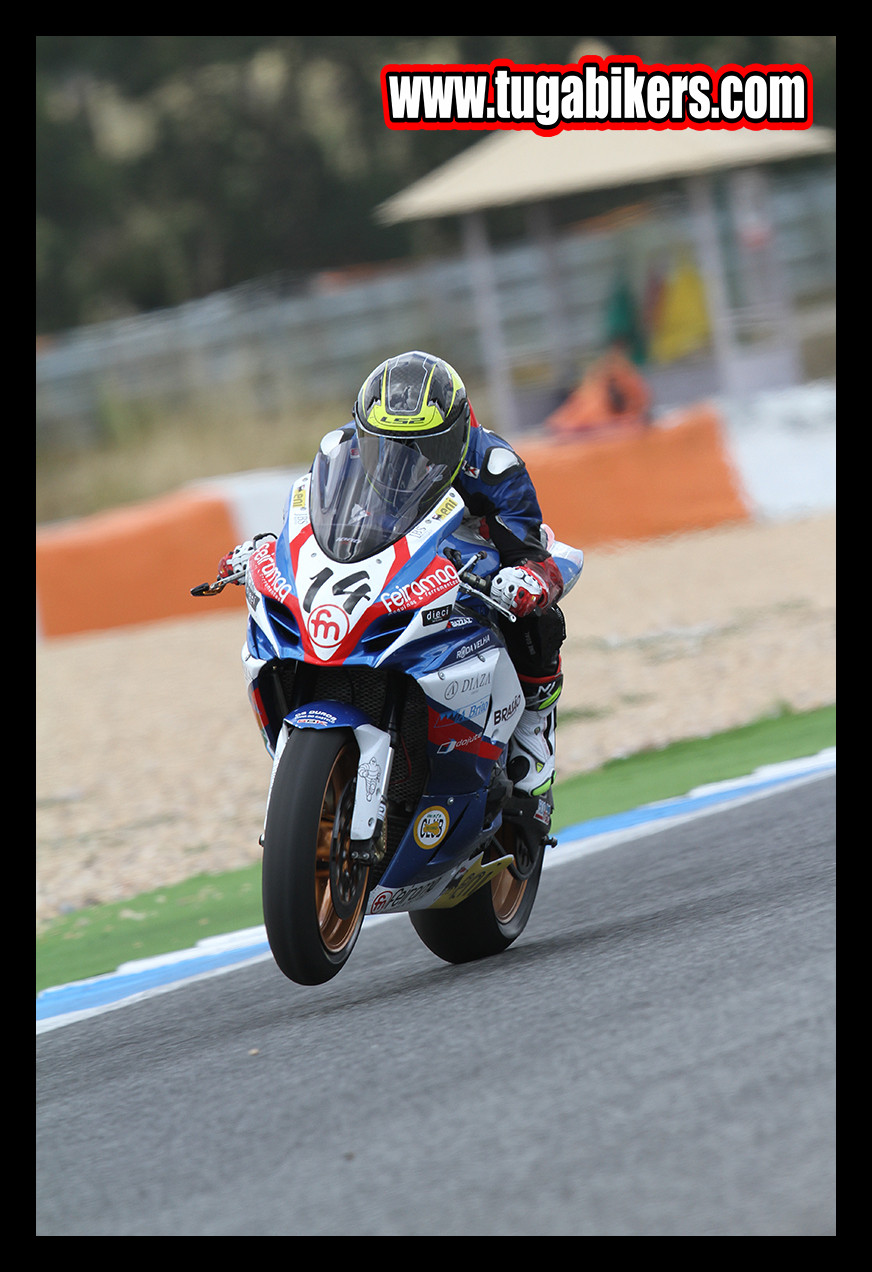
{"points": [[328, 625], [320, 719], [267, 577], [440, 614], [449, 505], [429, 587], [431, 827], [381, 901], [387, 900], [369, 775], [506, 713], [469, 881]]}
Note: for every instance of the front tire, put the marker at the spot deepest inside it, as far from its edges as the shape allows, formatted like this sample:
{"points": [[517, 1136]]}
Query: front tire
{"points": [[313, 893], [490, 920]]}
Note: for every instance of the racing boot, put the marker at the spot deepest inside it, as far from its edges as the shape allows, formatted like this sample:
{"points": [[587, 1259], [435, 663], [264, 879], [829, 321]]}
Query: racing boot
{"points": [[531, 747], [530, 767]]}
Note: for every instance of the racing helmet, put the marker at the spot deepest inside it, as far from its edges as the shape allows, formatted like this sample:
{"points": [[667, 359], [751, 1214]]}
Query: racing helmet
{"points": [[412, 422]]}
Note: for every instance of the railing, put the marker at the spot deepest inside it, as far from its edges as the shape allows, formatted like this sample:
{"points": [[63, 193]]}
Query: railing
{"points": [[271, 343]]}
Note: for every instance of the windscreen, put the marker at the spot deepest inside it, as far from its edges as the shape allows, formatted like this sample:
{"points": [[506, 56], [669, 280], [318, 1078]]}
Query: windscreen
{"points": [[356, 510]]}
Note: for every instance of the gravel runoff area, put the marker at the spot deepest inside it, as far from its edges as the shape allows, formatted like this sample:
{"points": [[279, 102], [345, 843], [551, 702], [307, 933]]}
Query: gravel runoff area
{"points": [[150, 767]]}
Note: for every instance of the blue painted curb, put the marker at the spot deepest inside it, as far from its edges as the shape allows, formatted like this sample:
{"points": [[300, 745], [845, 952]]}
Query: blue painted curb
{"points": [[65, 1004]]}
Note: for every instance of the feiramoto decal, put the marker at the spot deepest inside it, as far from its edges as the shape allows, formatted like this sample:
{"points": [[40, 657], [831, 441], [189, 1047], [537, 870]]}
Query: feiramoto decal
{"points": [[427, 588]]}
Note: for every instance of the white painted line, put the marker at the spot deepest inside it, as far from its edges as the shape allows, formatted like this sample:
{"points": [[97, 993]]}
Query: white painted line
{"points": [[216, 955]]}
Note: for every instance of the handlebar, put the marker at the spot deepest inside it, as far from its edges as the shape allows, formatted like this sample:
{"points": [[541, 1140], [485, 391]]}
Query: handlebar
{"points": [[238, 576], [474, 582], [469, 579]]}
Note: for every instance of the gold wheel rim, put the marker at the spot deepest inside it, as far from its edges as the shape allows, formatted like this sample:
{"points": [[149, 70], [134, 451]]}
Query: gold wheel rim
{"points": [[507, 892], [336, 932]]}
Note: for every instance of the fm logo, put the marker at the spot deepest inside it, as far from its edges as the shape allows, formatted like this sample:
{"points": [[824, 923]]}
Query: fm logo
{"points": [[328, 626]]}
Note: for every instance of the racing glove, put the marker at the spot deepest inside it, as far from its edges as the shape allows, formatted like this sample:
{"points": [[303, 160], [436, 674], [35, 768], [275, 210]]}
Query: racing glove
{"points": [[235, 562], [530, 586]]}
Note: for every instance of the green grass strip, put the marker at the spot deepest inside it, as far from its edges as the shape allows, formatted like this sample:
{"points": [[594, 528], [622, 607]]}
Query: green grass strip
{"points": [[621, 785], [100, 938]]}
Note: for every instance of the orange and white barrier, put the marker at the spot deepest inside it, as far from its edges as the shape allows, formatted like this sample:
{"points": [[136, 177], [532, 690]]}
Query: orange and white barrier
{"points": [[690, 471], [639, 483], [131, 565]]}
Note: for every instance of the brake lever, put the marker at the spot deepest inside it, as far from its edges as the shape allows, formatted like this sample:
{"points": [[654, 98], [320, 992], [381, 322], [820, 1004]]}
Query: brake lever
{"points": [[214, 589], [475, 583]]}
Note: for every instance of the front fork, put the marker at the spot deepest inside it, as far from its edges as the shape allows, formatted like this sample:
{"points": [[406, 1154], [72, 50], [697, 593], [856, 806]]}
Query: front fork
{"points": [[373, 771]]}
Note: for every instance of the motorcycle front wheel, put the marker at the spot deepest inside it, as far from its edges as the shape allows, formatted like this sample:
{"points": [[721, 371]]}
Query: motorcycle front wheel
{"points": [[490, 920], [313, 892]]}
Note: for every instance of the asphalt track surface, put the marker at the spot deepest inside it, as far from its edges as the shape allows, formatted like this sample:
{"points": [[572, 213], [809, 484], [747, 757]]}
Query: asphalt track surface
{"points": [[655, 1056]]}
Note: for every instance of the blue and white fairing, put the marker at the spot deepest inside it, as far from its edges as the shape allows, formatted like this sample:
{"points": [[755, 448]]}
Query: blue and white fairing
{"points": [[371, 590]]}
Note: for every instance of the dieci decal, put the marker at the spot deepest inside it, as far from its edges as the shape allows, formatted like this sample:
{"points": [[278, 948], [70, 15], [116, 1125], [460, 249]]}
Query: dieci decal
{"points": [[431, 828], [439, 615]]}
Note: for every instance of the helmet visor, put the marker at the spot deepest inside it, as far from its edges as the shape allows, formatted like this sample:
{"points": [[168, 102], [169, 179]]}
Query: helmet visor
{"points": [[415, 468]]}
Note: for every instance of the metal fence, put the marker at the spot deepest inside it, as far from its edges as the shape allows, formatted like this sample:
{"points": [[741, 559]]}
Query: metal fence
{"points": [[268, 343]]}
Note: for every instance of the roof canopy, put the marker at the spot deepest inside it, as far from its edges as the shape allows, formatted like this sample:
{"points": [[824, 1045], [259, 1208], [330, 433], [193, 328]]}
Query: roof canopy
{"points": [[524, 167]]}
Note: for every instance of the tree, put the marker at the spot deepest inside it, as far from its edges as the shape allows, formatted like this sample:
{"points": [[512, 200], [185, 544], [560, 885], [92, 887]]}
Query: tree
{"points": [[169, 167]]}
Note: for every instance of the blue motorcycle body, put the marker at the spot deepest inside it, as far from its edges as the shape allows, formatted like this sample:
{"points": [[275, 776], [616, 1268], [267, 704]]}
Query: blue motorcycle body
{"points": [[384, 635]]}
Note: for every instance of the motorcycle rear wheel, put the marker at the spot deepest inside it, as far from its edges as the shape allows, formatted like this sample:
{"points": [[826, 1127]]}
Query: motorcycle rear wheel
{"points": [[490, 920], [313, 893]]}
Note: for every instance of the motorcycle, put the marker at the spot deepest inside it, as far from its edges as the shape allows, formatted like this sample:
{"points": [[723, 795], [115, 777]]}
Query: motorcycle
{"points": [[381, 683]]}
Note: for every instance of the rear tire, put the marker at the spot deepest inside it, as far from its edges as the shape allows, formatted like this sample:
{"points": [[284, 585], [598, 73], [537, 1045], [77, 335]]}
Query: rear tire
{"points": [[490, 920], [313, 893]]}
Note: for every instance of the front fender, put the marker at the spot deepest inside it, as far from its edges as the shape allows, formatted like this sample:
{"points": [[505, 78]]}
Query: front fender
{"points": [[376, 757], [325, 715]]}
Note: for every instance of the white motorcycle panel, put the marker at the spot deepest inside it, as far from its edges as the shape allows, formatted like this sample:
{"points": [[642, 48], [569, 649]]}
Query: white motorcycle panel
{"points": [[483, 689]]}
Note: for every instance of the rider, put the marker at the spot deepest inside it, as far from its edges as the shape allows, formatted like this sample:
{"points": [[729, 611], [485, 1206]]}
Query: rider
{"points": [[420, 400]]}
